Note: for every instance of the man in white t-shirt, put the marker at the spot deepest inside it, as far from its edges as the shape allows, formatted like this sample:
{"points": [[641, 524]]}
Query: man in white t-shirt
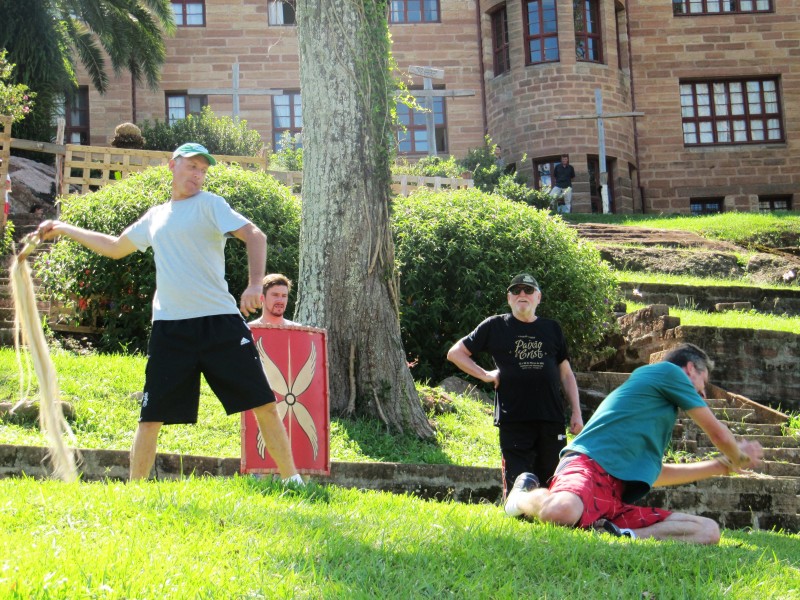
{"points": [[197, 326]]}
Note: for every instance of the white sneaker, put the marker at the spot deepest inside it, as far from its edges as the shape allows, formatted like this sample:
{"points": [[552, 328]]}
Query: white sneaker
{"points": [[525, 482]]}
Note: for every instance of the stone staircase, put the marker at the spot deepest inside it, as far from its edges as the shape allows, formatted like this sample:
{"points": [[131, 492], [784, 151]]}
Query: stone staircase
{"points": [[768, 499]]}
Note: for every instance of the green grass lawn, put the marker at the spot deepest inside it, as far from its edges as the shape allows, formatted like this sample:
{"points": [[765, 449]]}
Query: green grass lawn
{"points": [[668, 278], [742, 228], [100, 386], [735, 319], [245, 538]]}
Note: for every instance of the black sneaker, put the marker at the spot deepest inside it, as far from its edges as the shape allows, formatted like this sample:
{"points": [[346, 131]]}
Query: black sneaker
{"points": [[525, 482], [606, 526]]}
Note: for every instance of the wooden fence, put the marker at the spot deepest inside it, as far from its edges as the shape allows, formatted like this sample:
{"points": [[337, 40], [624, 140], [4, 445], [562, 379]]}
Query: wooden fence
{"points": [[403, 185], [88, 168]]}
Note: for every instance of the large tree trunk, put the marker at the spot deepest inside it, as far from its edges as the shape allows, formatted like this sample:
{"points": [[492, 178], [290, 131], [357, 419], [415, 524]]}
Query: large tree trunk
{"points": [[347, 282]]}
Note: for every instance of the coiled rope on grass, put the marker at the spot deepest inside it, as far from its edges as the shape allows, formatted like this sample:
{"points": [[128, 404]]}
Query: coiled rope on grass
{"points": [[26, 320]]}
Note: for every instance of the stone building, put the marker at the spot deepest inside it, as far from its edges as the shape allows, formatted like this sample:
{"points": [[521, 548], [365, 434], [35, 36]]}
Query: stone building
{"points": [[716, 85]]}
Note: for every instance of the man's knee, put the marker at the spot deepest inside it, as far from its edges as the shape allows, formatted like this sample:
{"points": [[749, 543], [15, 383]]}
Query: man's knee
{"points": [[708, 531], [561, 508]]}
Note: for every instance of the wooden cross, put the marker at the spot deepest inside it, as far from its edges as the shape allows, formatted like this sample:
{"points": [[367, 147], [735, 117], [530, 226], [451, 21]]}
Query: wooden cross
{"points": [[234, 91], [601, 138], [428, 74]]}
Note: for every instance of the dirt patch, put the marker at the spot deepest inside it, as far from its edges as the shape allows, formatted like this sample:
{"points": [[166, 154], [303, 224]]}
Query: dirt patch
{"points": [[684, 253]]}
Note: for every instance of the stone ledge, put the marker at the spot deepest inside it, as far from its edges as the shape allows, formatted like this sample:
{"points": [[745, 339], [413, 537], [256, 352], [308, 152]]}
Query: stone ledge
{"points": [[734, 502]]}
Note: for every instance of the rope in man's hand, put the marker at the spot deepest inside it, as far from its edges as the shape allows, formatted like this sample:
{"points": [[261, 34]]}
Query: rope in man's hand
{"points": [[26, 321]]}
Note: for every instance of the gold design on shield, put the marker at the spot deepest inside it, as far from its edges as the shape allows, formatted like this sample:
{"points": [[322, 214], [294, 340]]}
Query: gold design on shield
{"points": [[291, 393]]}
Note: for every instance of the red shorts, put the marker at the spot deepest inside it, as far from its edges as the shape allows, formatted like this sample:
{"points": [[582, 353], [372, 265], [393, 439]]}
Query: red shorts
{"points": [[601, 495]]}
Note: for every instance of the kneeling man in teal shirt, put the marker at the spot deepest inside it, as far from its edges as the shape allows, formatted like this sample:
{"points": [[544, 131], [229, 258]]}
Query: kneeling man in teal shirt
{"points": [[616, 459]]}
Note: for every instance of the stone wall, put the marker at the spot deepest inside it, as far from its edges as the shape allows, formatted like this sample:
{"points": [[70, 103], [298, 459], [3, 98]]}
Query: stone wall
{"points": [[762, 365], [766, 300]]}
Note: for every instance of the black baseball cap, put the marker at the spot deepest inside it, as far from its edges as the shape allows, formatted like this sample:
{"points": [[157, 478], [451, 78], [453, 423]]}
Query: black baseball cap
{"points": [[524, 279]]}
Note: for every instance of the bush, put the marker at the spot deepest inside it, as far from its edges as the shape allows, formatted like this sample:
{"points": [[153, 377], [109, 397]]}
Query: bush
{"points": [[289, 156], [120, 292], [221, 135], [431, 166], [511, 188], [7, 239], [458, 250]]}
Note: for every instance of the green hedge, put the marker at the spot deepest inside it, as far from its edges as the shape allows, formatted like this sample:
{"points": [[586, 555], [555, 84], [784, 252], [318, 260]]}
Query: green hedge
{"points": [[458, 250], [122, 291]]}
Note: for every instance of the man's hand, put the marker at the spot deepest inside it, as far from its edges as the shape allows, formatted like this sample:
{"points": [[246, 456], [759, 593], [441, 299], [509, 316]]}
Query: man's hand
{"points": [[251, 300], [493, 377], [48, 230], [575, 423], [751, 455]]}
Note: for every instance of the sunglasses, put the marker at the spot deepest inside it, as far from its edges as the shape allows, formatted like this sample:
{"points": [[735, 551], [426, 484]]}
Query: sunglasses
{"points": [[518, 289]]}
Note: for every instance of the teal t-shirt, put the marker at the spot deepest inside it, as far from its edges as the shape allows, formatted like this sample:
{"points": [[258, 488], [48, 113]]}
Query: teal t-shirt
{"points": [[632, 427]]}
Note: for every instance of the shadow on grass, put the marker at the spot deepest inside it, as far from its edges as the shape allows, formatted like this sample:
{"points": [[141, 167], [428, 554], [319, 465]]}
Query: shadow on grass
{"points": [[375, 441]]}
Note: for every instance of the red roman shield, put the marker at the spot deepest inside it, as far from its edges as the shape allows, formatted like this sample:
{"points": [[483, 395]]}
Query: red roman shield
{"points": [[295, 359]]}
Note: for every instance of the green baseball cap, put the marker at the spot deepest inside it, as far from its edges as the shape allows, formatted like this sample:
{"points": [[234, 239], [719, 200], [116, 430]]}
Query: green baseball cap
{"points": [[192, 149]]}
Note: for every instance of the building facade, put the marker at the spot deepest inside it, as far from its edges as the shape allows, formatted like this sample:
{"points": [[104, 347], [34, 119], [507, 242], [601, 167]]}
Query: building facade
{"points": [[699, 99]]}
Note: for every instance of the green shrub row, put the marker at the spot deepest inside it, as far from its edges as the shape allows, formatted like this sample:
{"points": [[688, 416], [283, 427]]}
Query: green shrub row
{"points": [[221, 135], [456, 252]]}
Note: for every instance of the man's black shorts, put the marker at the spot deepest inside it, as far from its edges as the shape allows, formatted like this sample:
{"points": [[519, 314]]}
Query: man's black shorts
{"points": [[221, 348]]}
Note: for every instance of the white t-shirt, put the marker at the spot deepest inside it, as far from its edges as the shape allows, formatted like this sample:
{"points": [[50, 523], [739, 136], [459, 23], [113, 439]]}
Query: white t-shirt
{"points": [[188, 240]]}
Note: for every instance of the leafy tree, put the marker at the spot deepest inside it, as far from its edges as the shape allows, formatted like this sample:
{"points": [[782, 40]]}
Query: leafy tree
{"points": [[46, 39], [348, 282], [16, 101]]}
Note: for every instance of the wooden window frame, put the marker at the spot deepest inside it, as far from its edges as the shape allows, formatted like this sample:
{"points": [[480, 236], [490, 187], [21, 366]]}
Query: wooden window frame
{"points": [[541, 39], [501, 57], [730, 108], [588, 38], [187, 99], [704, 204], [181, 22], [400, 17], [294, 129], [82, 128], [417, 122]]}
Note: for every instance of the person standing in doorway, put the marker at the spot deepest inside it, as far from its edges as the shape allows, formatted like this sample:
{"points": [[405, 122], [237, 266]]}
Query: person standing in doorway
{"points": [[563, 175]]}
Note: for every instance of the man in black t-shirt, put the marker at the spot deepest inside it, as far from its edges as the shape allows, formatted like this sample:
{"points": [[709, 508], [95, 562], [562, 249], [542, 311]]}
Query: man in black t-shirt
{"points": [[563, 174], [532, 370]]}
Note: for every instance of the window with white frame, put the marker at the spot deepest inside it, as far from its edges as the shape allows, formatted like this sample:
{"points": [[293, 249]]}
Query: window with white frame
{"points": [[715, 7], [282, 12], [731, 112]]}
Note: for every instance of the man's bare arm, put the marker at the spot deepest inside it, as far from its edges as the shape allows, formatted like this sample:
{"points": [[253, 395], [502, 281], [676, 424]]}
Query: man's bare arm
{"points": [[256, 243], [462, 358], [108, 245]]}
